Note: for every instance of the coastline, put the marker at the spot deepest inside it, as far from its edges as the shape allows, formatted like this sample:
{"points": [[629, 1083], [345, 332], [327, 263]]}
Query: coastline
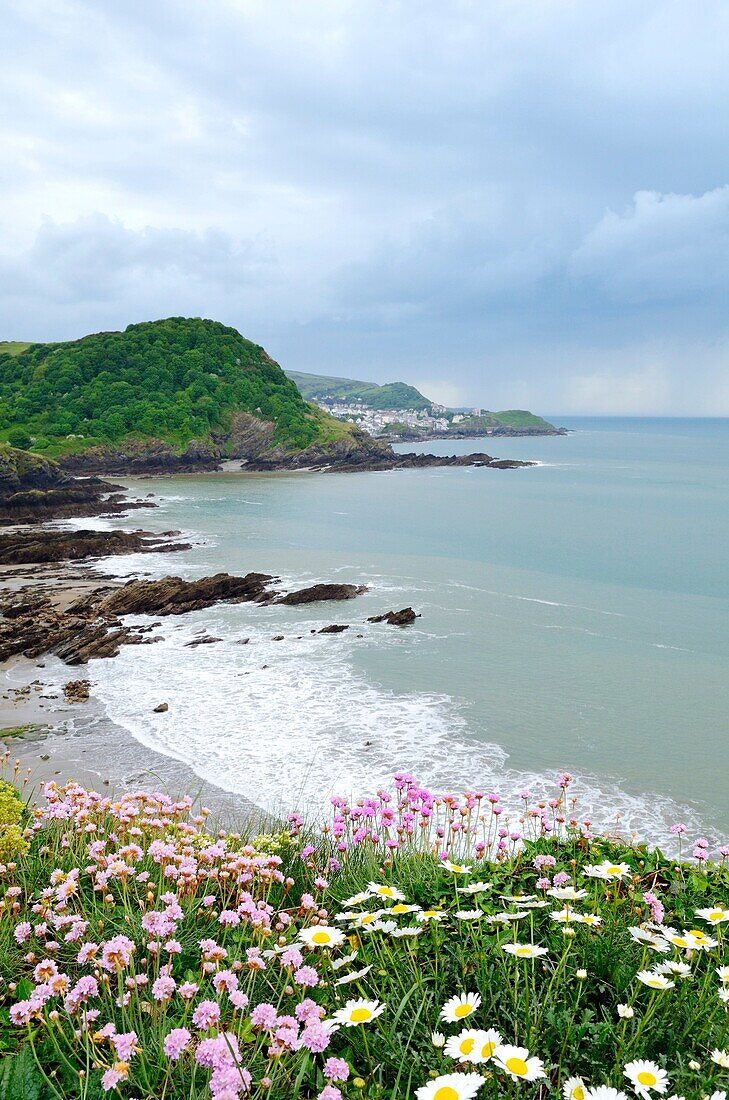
{"points": [[61, 742]]}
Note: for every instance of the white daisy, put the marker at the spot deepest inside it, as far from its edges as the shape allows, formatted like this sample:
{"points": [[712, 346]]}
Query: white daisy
{"points": [[473, 1045], [516, 1062], [402, 933], [646, 1077], [320, 935], [476, 888], [353, 976], [337, 964], [604, 1092], [470, 914], [356, 899], [653, 980], [721, 1058], [626, 1012], [566, 893], [606, 870], [524, 950], [573, 1089], [456, 868], [400, 908], [717, 914], [358, 1011], [459, 1007], [383, 891], [429, 914], [451, 1086]]}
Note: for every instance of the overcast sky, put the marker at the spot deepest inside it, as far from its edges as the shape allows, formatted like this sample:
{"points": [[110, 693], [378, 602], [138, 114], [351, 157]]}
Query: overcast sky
{"points": [[506, 202]]}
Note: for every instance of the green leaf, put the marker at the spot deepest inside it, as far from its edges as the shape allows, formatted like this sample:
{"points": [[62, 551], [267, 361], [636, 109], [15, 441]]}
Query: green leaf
{"points": [[20, 1078]]}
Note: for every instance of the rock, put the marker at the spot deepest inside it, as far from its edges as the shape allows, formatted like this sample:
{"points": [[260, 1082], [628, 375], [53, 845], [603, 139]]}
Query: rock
{"points": [[396, 618], [277, 638], [161, 708], [24, 547], [77, 691], [243, 641], [207, 639], [174, 596], [319, 592], [334, 628]]}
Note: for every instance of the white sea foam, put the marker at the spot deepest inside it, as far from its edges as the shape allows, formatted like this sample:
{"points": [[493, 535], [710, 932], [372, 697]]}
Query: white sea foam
{"points": [[287, 724]]}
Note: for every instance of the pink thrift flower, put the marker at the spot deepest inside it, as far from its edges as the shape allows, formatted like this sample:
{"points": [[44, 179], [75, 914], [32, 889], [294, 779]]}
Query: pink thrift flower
{"points": [[306, 976], [336, 1069], [175, 1042], [206, 1014]]}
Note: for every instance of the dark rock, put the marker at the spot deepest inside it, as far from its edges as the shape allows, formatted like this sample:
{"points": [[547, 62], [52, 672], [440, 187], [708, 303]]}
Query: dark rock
{"points": [[277, 638], [243, 641], [334, 628], [31, 547], [207, 639], [396, 618], [77, 691], [319, 592], [161, 708], [174, 596]]}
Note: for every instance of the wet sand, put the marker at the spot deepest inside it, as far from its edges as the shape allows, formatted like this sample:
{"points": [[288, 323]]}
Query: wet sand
{"points": [[46, 738]]}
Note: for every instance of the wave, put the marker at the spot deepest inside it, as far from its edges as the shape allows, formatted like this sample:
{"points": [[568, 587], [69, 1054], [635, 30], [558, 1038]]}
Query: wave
{"points": [[288, 724]]}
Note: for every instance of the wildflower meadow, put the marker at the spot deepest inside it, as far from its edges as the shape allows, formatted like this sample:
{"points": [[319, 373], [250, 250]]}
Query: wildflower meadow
{"points": [[415, 945]]}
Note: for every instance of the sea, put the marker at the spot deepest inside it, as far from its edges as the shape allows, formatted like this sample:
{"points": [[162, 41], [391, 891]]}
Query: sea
{"points": [[574, 616]]}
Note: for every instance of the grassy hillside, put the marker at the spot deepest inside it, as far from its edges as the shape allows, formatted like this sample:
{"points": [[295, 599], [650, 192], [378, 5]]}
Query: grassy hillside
{"points": [[393, 395], [509, 418], [176, 380], [12, 347]]}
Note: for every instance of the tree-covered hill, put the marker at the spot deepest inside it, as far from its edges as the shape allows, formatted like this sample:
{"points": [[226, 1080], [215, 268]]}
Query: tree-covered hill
{"points": [[175, 380], [393, 395]]}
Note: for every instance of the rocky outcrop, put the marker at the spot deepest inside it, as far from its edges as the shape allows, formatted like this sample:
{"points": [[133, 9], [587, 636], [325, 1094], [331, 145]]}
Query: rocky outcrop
{"points": [[175, 596], [34, 489], [38, 546], [253, 442], [396, 618], [319, 592], [145, 456], [77, 691], [334, 628]]}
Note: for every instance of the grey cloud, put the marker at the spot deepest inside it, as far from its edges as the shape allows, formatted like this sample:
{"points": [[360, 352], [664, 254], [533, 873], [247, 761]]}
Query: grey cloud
{"points": [[529, 198]]}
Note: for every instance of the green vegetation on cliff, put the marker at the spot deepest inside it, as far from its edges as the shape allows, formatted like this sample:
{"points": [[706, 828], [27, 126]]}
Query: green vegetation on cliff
{"points": [[175, 380], [393, 395], [510, 418]]}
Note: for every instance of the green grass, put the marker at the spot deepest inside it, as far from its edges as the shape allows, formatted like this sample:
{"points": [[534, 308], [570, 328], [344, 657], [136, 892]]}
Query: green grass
{"points": [[13, 347], [114, 865]]}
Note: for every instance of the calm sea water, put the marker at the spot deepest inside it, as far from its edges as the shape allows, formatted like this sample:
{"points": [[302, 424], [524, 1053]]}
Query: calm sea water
{"points": [[574, 616]]}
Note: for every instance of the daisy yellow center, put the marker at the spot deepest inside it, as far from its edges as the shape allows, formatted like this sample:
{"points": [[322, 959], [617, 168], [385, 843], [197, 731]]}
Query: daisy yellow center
{"points": [[524, 951], [445, 1092], [487, 1050], [715, 913], [462, 1010], [321, 937], [645, 1077], [578, 1093], [360, 1015], [467, 1046], [386, 891], [368, 918], [615, 870], [698, 933], [399, 908], [517, 1066], [431, 913]]}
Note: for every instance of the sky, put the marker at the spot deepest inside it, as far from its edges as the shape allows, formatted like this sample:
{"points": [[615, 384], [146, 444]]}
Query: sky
{"points": [[508, 203]]}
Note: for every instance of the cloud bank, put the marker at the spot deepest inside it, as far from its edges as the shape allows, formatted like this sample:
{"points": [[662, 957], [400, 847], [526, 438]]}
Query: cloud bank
{"points": [[521, 204]]}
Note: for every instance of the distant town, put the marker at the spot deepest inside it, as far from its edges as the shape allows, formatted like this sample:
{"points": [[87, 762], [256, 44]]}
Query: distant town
{"points": [[378, 422]]}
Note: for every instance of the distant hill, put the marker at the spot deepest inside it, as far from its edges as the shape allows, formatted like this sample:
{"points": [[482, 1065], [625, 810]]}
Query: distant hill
{"points": [[174, 380], [393, 395], [509, 418]]}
